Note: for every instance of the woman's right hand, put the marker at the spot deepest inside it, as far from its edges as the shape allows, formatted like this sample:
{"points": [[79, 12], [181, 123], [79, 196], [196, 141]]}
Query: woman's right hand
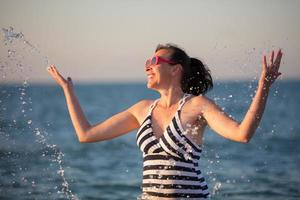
{"points": [[60, 80]]}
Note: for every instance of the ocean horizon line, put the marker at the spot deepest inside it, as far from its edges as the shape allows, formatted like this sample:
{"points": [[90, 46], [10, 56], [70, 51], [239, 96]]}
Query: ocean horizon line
{"points": [[49, 83]]}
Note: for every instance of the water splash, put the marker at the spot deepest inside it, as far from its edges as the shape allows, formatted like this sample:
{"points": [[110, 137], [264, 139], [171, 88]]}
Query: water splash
{"points": [[15, 41], [10, 36], [216, 188], [144, 196]]}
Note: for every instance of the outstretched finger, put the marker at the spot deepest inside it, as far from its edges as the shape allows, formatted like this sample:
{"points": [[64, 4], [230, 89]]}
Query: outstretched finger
{"points": [[264, 63], [54, 69], [272, 57], [278, 60], [58, 74], [51, 67]]}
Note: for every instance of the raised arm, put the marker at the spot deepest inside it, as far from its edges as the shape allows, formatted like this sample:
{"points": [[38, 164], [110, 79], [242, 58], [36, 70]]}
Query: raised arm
{"points": [[221, 123], [115, 126]]}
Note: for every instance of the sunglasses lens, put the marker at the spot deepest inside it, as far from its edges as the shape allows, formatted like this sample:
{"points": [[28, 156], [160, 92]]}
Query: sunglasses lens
{"points": [[153, 61]]}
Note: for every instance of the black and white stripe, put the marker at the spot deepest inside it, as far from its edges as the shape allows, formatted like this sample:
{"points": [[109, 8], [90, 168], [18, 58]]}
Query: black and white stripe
{"points": [[170, 162]]}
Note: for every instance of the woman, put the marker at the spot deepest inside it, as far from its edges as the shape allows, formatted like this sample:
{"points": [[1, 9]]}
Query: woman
{"points": [[171, 128]]}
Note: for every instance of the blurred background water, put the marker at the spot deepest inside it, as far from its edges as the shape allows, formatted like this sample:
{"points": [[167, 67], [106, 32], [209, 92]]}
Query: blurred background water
{"points": [[41, 158]]}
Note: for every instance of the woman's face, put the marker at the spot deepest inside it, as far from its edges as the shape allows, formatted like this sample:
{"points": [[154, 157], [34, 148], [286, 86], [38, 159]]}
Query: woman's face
{"points": [[159, 76]]}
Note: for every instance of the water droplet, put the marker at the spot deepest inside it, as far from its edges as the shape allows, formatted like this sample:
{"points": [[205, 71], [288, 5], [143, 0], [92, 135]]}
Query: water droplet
{"points": [[60, 172], [187, 156], [38, 133], [33, 183], [216, 187]]}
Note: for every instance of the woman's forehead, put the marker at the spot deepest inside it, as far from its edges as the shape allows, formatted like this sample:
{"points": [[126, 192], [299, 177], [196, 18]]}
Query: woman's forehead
{"points": [[163, 53]]}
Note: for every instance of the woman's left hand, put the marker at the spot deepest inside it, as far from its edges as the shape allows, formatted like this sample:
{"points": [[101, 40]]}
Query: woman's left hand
{"points": [[270, 71]]}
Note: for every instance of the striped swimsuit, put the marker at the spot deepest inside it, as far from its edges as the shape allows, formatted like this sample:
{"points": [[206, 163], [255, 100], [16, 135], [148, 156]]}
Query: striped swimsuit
{"points": [[170, 168]]}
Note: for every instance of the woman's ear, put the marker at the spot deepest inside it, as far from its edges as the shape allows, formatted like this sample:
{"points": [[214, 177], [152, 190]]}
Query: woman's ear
{"points": [[177, 69]]}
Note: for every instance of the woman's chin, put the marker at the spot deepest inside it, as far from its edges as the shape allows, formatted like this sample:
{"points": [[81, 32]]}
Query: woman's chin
{"points": [[150, 85]]}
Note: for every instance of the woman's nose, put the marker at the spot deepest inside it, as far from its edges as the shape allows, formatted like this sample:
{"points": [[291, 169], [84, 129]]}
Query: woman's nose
{"points": [[147, 68]]}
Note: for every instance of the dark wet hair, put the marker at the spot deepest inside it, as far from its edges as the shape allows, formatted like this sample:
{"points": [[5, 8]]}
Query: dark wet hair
{"points": [[196, 78]]}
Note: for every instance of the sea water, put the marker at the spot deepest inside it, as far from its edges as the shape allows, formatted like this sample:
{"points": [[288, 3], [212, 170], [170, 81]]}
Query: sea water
{"points": [[265, 168]]}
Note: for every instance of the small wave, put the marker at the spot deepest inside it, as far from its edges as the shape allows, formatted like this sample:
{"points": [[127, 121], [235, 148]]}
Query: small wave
{"points": [[266, 194], [115, 186]]}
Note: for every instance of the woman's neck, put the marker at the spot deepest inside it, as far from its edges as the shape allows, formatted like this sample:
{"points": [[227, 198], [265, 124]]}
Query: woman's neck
{"points": [[170, 97]]}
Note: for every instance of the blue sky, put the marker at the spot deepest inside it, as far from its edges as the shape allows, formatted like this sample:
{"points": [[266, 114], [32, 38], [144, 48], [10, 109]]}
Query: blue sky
{"points": [[99, 41]]}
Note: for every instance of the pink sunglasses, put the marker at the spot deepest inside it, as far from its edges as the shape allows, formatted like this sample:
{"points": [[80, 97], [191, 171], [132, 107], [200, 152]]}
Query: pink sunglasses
{"points": [[155, 60]]}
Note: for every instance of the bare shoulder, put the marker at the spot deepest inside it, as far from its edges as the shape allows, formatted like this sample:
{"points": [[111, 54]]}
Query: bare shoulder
{"points": [[141, 104], [140, 109], [201, 99], [202, 103]]}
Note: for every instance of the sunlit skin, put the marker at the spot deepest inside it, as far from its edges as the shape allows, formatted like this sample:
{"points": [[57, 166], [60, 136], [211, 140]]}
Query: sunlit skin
{"points": [[198, 111]]}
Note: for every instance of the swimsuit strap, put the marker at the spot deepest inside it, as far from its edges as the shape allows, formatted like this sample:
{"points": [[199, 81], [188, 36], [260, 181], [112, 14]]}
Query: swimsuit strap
{"points": [[152, 106], [183, 100]]}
